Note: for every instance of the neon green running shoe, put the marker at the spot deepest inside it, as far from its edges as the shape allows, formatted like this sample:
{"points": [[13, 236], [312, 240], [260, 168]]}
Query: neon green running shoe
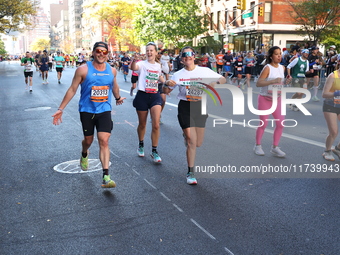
{"points": [[84, 162], [107, 182]]}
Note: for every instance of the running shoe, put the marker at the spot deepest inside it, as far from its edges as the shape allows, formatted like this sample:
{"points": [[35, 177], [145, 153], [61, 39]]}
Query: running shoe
{"points": [[295, 108], [191, 178], [84, 162], [26, 87], [328, 155], [46, 81], [59, 81], [107, 182], [277, 152], [315, 99], [258, 150], [336, 152], [140, 151], [156, 157], [131, 92], [31, 91]]}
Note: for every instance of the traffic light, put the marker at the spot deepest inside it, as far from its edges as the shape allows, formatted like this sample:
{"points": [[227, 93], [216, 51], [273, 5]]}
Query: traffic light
{"points": [[261, 11], [240, 4]]}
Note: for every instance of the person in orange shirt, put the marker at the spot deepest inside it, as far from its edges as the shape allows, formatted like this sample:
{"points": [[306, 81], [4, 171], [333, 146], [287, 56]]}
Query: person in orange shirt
{"points": [[67, 59], [219, 62]]}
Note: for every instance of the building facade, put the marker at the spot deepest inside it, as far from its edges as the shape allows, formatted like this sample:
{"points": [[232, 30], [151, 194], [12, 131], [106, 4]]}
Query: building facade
{"points": [[263, 24]]}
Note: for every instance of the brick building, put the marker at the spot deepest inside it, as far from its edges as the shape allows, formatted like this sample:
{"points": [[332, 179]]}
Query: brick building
{"points": [[248, 30]]}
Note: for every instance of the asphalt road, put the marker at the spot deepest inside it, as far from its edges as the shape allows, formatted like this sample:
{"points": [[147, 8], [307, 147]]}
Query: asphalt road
{"points": [[152, 210]]}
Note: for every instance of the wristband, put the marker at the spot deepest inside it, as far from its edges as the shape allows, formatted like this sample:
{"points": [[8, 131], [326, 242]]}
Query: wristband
{"points": [[59, 109], [218, 82], [117, 99], [336, 93]]}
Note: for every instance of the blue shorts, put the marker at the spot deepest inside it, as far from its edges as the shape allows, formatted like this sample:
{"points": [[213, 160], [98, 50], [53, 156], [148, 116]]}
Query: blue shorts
{"points": [[145, 101], [227, 68]]}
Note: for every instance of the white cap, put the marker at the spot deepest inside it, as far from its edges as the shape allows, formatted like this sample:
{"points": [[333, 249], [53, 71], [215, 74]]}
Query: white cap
{"points": [[332, 46]]}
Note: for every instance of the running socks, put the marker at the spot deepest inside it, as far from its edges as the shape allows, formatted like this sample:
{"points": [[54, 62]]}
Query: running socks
{"points": [[105, 172], [84, 155], [141, 143], [154, 148], [190, 169]]}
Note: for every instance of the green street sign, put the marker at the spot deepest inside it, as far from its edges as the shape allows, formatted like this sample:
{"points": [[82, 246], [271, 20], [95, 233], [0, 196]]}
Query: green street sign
{"points": [[247, 15]]}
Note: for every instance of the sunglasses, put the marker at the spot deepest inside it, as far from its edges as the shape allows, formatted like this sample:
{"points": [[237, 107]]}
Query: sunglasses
{"points": [[151, 43], [105, 52], [188, 54]]}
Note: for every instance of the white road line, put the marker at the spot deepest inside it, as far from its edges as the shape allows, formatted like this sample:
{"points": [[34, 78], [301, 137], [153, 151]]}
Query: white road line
{"points": [[177, 207], [127, 164], [201, 228], [135, 171], [165, 196], [150, 184], [227, 250]]}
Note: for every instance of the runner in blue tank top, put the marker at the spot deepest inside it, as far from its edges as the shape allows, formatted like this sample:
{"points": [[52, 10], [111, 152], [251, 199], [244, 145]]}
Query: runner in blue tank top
{"points": [[97, 80]]}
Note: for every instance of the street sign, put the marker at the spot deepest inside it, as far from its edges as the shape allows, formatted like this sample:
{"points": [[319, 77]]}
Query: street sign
{"points": [[247, 15]]}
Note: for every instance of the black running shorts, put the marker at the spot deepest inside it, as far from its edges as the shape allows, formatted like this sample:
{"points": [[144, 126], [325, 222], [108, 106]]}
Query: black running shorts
{"points": [[189, 114], [28, 74], [145, 101], [102, 122], [59, 69], [330, 108]]}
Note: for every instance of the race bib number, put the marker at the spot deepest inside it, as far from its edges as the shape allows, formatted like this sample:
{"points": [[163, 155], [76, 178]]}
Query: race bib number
{"points": [[59, 63], [151, 86], [228, 63], [301, 75], [99, 94], [239, 69], [193, 93]]}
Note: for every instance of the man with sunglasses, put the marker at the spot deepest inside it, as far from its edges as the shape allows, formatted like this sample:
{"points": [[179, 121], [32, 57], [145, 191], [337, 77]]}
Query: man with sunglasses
{"points": [[97, 80]]}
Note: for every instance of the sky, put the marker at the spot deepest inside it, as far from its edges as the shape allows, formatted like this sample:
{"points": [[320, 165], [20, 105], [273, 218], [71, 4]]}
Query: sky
{"points": [[46, 4]]}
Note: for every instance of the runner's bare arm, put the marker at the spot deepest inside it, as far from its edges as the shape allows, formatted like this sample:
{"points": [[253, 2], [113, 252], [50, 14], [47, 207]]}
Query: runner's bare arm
{"points": [[115, 90], [78, 78]]}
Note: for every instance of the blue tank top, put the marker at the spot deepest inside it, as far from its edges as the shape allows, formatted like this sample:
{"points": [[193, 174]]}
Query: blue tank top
{"points": [[96, 90]]}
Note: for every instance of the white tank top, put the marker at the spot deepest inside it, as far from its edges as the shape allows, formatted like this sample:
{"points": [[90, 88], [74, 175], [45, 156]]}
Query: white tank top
{"points": [[274, 72]]}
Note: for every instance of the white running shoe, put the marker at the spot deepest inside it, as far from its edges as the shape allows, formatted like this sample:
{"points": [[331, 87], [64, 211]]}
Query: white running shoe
{"points": [[258, 150], [315, 99], [277, 152], [328, 156]]}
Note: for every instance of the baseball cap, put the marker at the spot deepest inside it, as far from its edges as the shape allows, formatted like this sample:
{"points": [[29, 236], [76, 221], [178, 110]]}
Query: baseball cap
{"points": [[305, 51], [44, 50], [100, 44], [315, 48], [332, 46]]}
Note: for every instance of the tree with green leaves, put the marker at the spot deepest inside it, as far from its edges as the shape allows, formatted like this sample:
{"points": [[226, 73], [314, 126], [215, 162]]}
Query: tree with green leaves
{"points": [[172, 22], [319, 19], [41, 43], [16, 15], [2, 48], [117, 15]]}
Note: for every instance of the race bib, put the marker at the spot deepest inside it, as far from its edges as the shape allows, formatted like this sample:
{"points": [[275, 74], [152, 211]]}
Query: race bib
{"points": [[193, 93], [151, 86], [228, 63], [336, 101], [272, 86], [239, 69], [99, 94], [59, 63], [28, 68], [301, 75]]}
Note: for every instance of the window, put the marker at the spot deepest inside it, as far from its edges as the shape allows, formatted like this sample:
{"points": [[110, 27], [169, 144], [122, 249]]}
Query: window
{"points": [[234, 16], [218, 20], [212, 21], [268, 12]]}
